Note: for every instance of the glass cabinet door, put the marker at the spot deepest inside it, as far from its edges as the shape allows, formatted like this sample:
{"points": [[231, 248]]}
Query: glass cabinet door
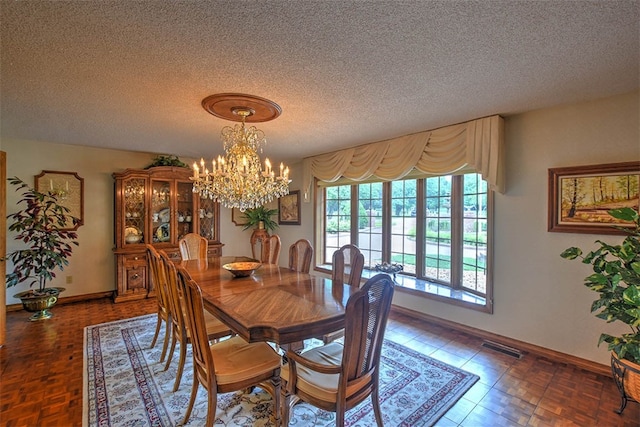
{"points": [[161, 211], [134, 211], [184, 200], [208, 219]]}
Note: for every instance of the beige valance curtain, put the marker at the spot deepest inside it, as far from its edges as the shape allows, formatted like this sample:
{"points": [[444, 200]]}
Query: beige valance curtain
{"points": [[474, 146]]}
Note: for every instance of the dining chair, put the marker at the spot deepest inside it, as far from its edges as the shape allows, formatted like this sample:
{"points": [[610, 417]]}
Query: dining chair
{"points": [[300, 256], [348, 263], [271, 251], [193, 246], [159, 283], [228, 365], [336, 377], [268, 245], [214, 328]]}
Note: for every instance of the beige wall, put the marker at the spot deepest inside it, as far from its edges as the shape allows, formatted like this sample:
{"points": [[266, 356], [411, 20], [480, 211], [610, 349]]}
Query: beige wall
{"points": [[539, 297], [92, 266]]}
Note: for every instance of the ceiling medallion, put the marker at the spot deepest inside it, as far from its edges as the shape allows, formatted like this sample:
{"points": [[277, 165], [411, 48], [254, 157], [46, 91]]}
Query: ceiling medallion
{"points": [[237, 179]]}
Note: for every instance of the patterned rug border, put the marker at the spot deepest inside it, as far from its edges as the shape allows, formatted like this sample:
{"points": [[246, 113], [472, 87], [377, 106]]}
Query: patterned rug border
{"points": [[429, 408]]}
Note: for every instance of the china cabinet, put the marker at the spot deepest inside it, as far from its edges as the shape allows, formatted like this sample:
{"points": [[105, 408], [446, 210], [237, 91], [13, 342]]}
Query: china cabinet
{"points": [[156, 206]]}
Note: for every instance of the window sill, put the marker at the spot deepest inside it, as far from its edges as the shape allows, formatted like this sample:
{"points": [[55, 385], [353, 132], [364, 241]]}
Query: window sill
{"points": [[429, 290]]}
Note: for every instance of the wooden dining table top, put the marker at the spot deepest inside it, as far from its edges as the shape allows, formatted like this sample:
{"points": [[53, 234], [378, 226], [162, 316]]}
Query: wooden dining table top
{"points": [[274, 303]]}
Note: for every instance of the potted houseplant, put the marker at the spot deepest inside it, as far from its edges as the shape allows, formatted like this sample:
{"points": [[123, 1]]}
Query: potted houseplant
{"points": [[616, 279], [260, 218], [41, 224]]}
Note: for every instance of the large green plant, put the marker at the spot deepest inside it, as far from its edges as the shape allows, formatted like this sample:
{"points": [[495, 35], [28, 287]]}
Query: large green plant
{"points": [[254, 216], [40, 225], [616, 279]]}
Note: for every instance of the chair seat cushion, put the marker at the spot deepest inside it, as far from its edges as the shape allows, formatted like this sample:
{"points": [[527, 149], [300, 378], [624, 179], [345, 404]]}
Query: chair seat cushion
{"points": [[320, 386], [215, 328], [237, 360]]}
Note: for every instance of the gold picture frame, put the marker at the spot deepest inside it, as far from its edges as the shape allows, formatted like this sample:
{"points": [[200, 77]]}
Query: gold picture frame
{"points": [[69, 187], [238, 217], [581, 196], [289, 209]]}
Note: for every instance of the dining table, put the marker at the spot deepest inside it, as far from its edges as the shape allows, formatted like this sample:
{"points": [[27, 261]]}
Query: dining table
{"points": [[274, 303]]}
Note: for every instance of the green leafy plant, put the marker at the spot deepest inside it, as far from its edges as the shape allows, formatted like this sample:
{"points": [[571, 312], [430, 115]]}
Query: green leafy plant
{"points": [[169, 160], [616, 279], [40, 225], [260, 214]]}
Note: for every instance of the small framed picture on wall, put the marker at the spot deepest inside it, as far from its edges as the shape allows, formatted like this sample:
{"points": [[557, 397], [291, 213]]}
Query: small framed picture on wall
{"points": [[289, 209]]}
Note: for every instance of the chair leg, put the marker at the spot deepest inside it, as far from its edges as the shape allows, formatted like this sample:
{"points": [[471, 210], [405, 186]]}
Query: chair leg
{"points": [[194, 392], [375, 400], [276, 400], [171, 350], [340, 417], [212, 404], [285, 400], [183, 356], [155, 336], [167, 335]]}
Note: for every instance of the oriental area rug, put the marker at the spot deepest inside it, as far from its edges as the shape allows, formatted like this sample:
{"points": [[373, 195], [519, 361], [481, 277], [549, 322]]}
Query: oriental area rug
{"points": [[125, 385]]}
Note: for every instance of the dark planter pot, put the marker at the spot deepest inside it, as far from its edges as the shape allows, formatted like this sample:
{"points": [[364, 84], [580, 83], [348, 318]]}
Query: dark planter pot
{"points": [[627, 377], [39, 304]]}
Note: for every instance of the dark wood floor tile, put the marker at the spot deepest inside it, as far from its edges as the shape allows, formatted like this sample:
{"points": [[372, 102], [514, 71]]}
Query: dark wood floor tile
{"points": [[420, 346], [543, 418], [477, 392], [460, 410], [462, 349], [450, 358], [484, 417], [511, 407], [433, 339], [489, 374], [518, 387]]}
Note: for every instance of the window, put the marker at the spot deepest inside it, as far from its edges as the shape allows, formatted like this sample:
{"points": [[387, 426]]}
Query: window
{"points": [[436, 227], [370, 222]]}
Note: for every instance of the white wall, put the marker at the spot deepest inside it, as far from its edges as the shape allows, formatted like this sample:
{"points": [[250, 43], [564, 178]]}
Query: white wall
{"points": [[539, 297]]}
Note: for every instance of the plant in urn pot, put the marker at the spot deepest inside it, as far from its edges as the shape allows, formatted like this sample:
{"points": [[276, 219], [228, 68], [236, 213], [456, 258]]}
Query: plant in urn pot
{"points": [[41, 226], [616, 279]]}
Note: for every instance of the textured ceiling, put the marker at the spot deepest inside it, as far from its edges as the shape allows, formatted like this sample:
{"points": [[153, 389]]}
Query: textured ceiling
{"points": [[132, 74]]}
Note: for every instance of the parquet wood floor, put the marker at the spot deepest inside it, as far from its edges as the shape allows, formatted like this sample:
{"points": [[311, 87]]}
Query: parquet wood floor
{"points": [[41, 374]]}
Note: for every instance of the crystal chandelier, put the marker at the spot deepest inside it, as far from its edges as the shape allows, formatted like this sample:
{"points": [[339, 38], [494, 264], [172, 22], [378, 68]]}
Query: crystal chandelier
{"points": [[237, 179]]}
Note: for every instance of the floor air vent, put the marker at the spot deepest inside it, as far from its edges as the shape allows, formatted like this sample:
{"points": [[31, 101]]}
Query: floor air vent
{"points": [[509, 351]]}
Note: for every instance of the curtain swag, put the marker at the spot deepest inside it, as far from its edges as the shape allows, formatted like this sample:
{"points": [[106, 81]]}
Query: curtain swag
{"points": [[474, 146]]}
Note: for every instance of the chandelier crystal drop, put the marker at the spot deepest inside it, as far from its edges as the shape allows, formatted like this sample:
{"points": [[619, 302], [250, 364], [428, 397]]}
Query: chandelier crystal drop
{"points": [[237, 179]]}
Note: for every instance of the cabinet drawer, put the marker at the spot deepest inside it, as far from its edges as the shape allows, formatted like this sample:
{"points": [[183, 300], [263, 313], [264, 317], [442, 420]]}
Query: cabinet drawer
{"points": [[135, 259], [174, 255], [214, 251], [136, 278]]}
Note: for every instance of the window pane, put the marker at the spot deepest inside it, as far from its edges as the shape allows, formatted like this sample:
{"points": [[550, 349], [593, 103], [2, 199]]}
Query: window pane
{"points": [[474, 263], [437, 243], [370, 223], [403, 224], [338, 219]]}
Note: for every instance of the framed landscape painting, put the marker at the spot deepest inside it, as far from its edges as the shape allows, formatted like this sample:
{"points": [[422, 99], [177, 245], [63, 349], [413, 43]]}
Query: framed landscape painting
{"points": [[581, 196]]}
